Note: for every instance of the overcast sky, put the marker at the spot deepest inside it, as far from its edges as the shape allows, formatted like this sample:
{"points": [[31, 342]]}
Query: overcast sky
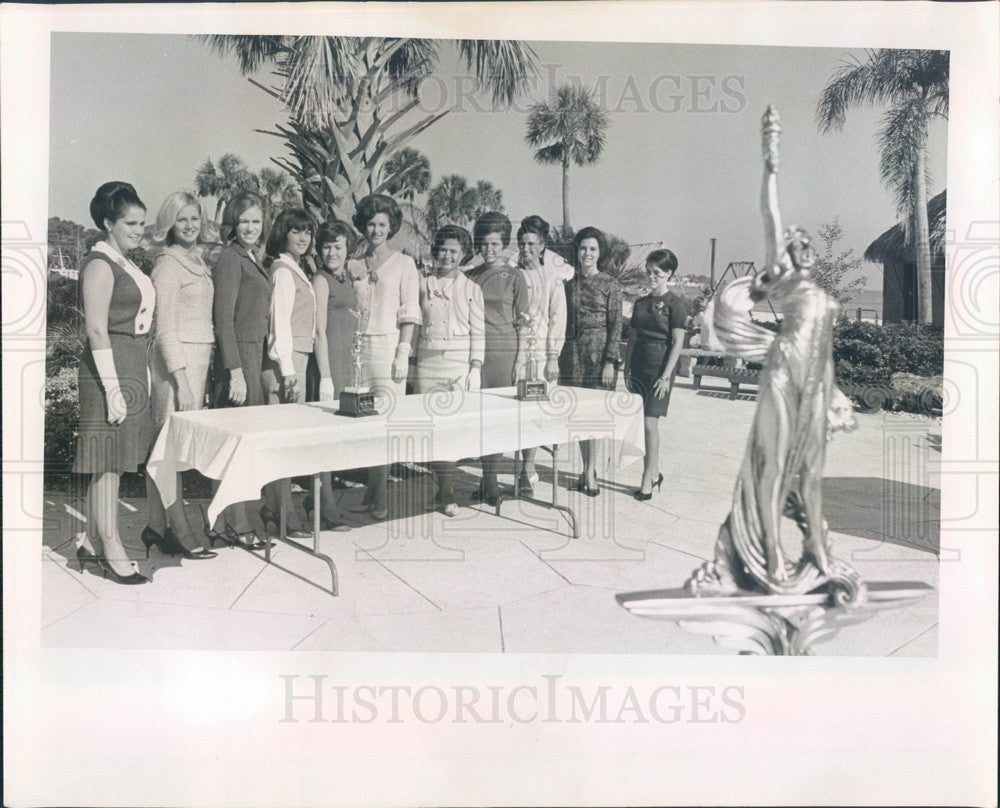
{"points": [[681, 163]]}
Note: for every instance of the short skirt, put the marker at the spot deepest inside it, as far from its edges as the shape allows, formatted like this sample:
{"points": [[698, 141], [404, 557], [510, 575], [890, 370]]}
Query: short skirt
{"points": [[102, 447], [645, 366]]}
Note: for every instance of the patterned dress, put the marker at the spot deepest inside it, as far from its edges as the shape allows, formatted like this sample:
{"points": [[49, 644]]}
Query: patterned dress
{"points": [[593, 330]]}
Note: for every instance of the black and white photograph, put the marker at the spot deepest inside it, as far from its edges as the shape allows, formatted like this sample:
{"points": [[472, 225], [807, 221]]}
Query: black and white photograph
{"points": [[488, 328], [370, 337]]}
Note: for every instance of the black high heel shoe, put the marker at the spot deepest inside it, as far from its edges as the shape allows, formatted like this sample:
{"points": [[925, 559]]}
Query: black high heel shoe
{"points": [[268, 517], [170, 545], [488, 494], [128, 580], [84, 557], [657, 483], [581, 486]]}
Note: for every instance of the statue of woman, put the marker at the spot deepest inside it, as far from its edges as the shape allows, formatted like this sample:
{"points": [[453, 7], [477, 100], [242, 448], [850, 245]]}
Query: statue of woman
{"points": [[798, 407]]}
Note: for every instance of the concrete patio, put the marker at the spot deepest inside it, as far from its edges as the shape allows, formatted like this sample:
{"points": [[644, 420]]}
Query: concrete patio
{"points": [[478, 583]]}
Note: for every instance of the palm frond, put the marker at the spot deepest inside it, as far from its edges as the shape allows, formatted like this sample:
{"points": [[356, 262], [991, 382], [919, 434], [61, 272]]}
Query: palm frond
{"points": [[549, 154], [902, 136], [253, 52], [502, 67]]}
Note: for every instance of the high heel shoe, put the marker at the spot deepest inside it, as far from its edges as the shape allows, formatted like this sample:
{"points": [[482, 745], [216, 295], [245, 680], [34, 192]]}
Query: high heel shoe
{"points": [[213, 536], [487, 493], [583, 488], [268, 517], [170, 545], [128, 580], [84, 556], [325, 523], [657, 483]]}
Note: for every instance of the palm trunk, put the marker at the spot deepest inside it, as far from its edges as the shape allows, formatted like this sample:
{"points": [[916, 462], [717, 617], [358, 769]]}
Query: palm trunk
{"points": [[565, 190], [921, 244]]}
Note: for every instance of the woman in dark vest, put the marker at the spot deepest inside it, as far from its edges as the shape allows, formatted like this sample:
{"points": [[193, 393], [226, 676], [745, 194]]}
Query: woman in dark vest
{"points": [[115, 430], [290, 340], [240, 312]]}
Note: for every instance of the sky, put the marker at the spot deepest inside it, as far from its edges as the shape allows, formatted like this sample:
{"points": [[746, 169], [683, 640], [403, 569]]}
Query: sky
{"points": [[681, 162]]}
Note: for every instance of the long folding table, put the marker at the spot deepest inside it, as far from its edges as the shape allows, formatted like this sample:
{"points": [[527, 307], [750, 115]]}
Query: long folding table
{"points": [[246, 447]]}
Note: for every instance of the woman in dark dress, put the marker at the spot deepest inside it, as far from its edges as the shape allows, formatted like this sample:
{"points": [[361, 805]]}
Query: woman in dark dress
{"points": [[240, 313], [115, 430], [592, 352], [506, 306], [658, 323]]}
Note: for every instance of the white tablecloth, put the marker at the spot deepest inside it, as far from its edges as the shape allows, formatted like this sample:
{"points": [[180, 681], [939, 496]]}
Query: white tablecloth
{"points": [[246, 447]]}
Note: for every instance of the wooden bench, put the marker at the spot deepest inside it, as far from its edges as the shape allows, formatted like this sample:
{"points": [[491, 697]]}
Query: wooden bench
{"points": [[720, 365]]}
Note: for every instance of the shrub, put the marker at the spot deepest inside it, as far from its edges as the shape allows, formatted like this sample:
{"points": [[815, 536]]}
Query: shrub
{"points": [[867, 357], [62, 416]]}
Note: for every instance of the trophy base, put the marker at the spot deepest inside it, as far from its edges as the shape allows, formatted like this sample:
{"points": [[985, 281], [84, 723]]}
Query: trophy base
{"points": [[532, 390], [357, 403]]}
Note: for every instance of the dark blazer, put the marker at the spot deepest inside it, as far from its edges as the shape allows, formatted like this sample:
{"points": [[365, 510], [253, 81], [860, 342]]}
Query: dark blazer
{"points": [[242, 302]]}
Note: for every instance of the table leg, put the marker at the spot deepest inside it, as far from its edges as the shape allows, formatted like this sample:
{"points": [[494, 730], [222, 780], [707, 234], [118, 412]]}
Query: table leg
{"points": [[314, 550], [570, 514]]}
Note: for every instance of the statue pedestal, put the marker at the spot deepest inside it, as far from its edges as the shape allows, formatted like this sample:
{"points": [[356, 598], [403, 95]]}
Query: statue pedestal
{"points": [[532, 390], [779, 625], [357, 402]]}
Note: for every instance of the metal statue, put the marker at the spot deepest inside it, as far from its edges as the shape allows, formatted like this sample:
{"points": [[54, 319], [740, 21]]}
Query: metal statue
{"points": [[531, 387], [357, 400], [798, 408]]}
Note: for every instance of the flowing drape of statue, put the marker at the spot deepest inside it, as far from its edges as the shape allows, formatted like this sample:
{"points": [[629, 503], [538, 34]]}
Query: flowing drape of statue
{"points": [[755, 596], [798, 408]]}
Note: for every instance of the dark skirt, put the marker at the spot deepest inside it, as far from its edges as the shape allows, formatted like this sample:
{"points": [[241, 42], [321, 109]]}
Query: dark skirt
{"points": [[251, 360], [581, 362], [645, 366], [498, 364], [103, 447]]}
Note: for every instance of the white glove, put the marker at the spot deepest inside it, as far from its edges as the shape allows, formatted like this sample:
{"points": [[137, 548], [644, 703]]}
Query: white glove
{"points": [[104, 361], [326, 390], [474, 380]]}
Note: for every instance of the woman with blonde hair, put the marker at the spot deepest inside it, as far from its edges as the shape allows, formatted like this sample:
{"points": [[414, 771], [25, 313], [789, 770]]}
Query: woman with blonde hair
{"points": [[181, 354]]}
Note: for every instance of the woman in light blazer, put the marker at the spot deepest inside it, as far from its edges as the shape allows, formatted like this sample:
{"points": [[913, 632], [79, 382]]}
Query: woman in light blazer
{"points": [[181, 354], [452, 338]]}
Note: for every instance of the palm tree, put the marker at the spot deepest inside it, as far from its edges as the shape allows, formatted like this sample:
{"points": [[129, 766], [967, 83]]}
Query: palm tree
{"points": [[454, 201], [223, 182], [353, 102], [914, 84], [410, 171], [569, 130]]}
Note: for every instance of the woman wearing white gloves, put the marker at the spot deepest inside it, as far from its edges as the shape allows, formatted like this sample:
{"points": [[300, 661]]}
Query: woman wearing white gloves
{"points": [[116, 429], [453, 336]]}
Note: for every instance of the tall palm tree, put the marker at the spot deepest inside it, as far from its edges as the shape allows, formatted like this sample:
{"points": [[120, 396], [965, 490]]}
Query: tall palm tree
{"points": [[914, 84], [570, 129], [353, 102]]}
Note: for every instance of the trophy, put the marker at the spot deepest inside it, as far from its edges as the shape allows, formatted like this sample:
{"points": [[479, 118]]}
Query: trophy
{"points": [[532, 388], [357, 400]]}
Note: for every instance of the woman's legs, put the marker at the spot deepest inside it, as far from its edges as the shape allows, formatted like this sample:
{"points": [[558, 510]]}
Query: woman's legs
{"points": [[444, 470], [651, 462], [102, 502], [588, 450]]}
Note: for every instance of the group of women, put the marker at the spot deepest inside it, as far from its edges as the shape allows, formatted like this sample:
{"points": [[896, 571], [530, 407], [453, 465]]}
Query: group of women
{"points": [[242, 332]]}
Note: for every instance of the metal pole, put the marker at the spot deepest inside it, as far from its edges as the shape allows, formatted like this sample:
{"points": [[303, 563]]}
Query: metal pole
{"points": [[711, 266]]}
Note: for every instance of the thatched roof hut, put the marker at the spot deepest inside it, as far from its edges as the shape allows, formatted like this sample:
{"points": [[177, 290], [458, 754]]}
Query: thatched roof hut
{"points": [[899, 282]]}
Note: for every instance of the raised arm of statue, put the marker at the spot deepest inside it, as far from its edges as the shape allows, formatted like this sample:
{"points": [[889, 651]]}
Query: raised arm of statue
{"points": [[776, 260]]}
